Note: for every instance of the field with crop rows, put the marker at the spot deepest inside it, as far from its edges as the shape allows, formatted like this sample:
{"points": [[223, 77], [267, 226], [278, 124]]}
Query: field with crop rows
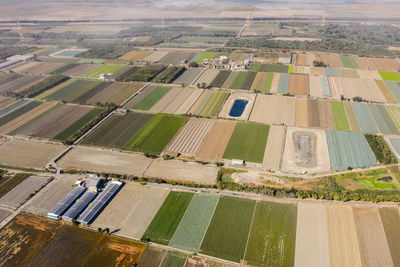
{"points": [[220, 78], [394, 113], [364, 118], [243, 80], [269, 67], [339, 114], [274, 109], [71, 90], [81, 69], [103, 70], [348, 61], [390, 220], [16, 110], [215, 104], [283, 86], [152, 98], [383, 120], [299, 84], [188, 77]]}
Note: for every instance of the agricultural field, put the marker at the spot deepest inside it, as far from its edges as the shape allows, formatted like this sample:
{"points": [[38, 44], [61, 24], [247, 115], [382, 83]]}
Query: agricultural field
{"points": [[19, 84], [348, 73], [193, 226], [394, 89], [390, 76], [152, 98], [367, 89], [283, 86], [24, 153], [243, 80], [351, 117], [9, 181], [349, 61], [189, 77], [339, 113], [331, 60], [191, 137], [349, 150], [228, 232], [262, 82], [81, 69], [170, 97], [383, 120], [247, 142], [167, 219], [274, 149], [73, 90], [139, 97], [299, 84], [386, 91], [156, 56], [229, 110], [136, 55], [176, 58], [156, 134], [205, 56], [381, 64], [269, 67], [331, 72], [16, 109], [182, 102], [173, 258], [117, 130], [152, 256], [390, 220], [316, 86], [95, 74], [301, 70], [207, 77], [364, 117], [272, 237], [200, 103], [214, 104], [301, 112], [220, 78], [231, 78]]}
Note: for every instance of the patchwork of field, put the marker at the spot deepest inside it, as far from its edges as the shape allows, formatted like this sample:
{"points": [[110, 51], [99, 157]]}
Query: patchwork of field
{"points": [[379, 64], [331, 60], [364, 117], [220, 78], [390, 76], [18, 83], [305, 150], [24, 153], [168, 98], [243, 80], [149, 98], [188, 101], [228, 106], [390, 218], [262, 82], [177, 57], [189, 77]]}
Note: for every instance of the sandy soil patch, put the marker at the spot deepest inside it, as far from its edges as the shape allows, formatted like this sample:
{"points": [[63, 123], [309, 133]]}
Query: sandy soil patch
{"points": [[177, 170], [274, 109], [315, 86], [191, 137], [305, 59], [142, 213], [189, 101], [24, 153], [274, 149], [312, 236], [275, 83], [231, 100], [217, 140], [305, 151], [325, 114], [369, 74], [208, 76], [367, 89], [331, 60], [380, 64], [136, 55], [317, 71], [166, 100], [258, 82], [178, 100], [342, 238], [301, 112], [102, 160], [372, 242]]}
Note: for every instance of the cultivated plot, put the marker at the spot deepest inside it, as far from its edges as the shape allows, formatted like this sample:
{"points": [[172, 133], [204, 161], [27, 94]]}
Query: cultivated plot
{"points": [[238, 106], [390, 218], [339, 114], [105, 69], [168, 98], [383, 120], [299, 84], [274, 149], [364, 118], [152, 98], [214, 104], [179, 101], [189, 77]]}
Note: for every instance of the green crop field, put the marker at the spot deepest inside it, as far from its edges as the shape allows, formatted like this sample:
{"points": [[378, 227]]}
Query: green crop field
{"points": [[103, 70], [152, 98], [156, 134], [214, 105], [163, 225], [340, 116], [220, 78], [206, 55], [243, 80], [18, 112], [348, 61], [268, 82], [272, 238], [193, 226], [227, 235], [174, 259], [70, 89], [247, 142], [379, 179], [390, 76], [269, 67], [290, 70]]}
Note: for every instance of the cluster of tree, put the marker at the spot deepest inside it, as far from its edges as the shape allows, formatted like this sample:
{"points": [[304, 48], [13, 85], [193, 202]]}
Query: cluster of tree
{"points": [[169, 74], [318, 64], [42, 86], [381, 150], [145, 74]]}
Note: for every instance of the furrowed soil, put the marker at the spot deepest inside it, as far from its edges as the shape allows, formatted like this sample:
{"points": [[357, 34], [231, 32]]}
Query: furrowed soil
{"points": [[391, 220], [274, 149], [315, 86], [299, 84]]}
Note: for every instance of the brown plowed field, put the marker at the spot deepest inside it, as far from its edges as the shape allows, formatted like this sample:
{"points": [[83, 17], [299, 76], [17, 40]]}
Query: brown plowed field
{"points": [[178, 100], [29, 154], [56, 121], [275, 83], [258, 82], [380, 64], [103, 95], [274, 149], [274, 109], [81, 70], [351, 117], [369, 74], [123, 94], [305, 59], [301, 70], [367, 89], [335, 87], [24, 67], [136, 55], [216, 142], [208, 76], [298, 84], [330, 60], [348, 73], [326, 119], [372, 242], [190, 100], [301, 112], [191, 137], [312, 113], [21, 120], [385, 91], [166, 100], [43, 67], [315, 86], [317, 71], [342, 237], [312, 236]]}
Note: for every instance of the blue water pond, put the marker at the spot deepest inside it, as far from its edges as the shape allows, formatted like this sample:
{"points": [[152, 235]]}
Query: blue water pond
{"points": [[238, 107]]}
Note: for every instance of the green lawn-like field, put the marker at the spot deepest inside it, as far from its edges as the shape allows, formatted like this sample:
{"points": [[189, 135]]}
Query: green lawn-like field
{"points": [[193, 226], [156, 134], [174, 259], [215, 104], [243, 80], [70, 90], [377, 183], [206, 55], [228, 232], [390, 76], [290, 70], [268, 82], [152, 98], [103, 70], [247, 142], [272, 238], [163, 225], [339, 114]]}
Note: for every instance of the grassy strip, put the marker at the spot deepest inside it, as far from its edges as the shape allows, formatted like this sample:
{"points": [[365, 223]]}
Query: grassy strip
{"points": [[163, 225], [340, 117], [390, 76], [381, 150], [268, 82], [15, 114], [152, 98]]}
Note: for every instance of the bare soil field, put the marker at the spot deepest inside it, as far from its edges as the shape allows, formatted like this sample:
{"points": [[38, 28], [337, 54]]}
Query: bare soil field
{"points": [[385, 91], [126, 92], [55, 122], [351, 117], [275, 83], [4, 213], [24, 153], [208, 76], [177, 170], [189, 77], [312, 236], [380, 64], [225, 111], [274, 109], [176, 103], [348, 73], [315, 86], [367, 89], [27, 65], [298, 84], [81, 70], [336, 87], [105, 94], [198, 106], [44, 67], [26, 117], [369, 74], [155, 56], [331, 60], [342, 238], [216, 142], [325, 114], [372, 242], [305, 59], [136, 55], [317, 71], [274, 149], [22, 192], [301, 112], [189, 101], [301, 70], [145, 92], [103, 160], [258, 82], [55, 191], [305, 150], [166, 100], [142, 213], [190, 137]]}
